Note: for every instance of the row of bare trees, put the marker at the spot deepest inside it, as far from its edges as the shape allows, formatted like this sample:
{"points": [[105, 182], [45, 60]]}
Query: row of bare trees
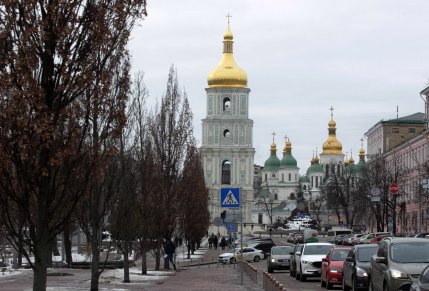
{"points": [[78, 147], [350, 195]]}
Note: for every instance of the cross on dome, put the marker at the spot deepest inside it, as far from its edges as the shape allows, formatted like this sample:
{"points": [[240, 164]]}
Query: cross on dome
{"points": [[228, 16], [332, 112]]}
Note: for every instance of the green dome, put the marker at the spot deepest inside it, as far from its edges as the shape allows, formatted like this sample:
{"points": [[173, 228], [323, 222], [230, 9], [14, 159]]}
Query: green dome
{"points": [[273, 163], [304, 179], [315, 168], [288, 161], [360, 166]]}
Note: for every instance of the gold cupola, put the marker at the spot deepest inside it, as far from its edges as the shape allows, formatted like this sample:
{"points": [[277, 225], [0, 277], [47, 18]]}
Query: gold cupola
{"points": [[227, 74], [332, 146]]}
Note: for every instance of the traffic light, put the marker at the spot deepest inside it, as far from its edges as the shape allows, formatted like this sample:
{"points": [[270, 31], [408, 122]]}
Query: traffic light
{"points": [[223, 215]]}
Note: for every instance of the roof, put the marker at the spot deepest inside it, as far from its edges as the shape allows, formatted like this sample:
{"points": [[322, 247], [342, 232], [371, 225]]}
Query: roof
{"points": [[416, 118]]}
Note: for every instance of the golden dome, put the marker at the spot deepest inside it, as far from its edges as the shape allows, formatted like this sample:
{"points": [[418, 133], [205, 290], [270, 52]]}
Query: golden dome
{"points": [[362, 154], [227, 74], [332, 146]]}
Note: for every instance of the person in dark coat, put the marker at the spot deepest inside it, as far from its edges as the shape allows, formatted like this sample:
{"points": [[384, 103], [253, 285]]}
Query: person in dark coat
{"points": [[169, 250]]}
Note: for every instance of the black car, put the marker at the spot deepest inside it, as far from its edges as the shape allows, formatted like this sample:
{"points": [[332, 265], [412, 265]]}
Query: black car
{"points": [[294, 258], [422, 283], [263, 245], [356, 266]]}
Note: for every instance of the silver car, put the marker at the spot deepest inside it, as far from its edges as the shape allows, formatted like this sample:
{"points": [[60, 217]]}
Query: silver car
{"points": [[279, 258]]}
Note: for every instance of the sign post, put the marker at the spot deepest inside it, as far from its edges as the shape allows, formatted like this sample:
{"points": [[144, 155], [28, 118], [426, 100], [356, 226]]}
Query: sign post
{"points": [[230, 198]]}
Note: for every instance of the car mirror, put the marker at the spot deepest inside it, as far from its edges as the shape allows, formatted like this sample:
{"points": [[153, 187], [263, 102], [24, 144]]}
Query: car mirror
{"points": [[297, 253], [380, 260], [350, 259], [325, 260], [291, 253]]}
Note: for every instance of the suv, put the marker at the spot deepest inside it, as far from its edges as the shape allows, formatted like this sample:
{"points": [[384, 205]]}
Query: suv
{"points": [[398, 263], [309, 260], [293, 259]]}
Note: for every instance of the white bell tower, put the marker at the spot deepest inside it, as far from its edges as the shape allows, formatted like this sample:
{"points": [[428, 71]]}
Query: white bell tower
{"points": [[227, 138]]}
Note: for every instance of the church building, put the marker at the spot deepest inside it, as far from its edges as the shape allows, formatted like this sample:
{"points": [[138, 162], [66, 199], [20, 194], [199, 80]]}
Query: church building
{"points": [[227, 133]]}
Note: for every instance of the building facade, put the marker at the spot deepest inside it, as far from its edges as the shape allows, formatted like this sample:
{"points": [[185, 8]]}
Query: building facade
{"points": [[227, 133]]}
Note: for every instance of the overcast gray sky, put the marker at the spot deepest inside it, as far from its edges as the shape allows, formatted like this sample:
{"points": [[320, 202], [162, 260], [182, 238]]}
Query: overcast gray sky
{"points": [[363, 57]]}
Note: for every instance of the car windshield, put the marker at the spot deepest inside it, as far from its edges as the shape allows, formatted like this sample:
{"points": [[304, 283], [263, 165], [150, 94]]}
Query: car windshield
{"points": [[365, 254], [410, 252], [282, 250], [339, 255], [317, 249]]}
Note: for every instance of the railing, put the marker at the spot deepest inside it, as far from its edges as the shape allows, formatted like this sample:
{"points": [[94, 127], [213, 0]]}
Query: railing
{"points": [[270, 283], [251, 271]]}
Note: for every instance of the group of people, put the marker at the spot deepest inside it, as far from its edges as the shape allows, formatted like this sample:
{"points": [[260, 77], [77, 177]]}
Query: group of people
{"points": [[214, 242]]}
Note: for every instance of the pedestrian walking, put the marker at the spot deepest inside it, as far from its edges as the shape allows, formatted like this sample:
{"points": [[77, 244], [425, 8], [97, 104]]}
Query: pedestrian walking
{"points": [[169, 250]]}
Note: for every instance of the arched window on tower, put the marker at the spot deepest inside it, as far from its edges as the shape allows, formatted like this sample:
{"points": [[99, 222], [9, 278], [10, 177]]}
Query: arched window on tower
{"points": [[226, 104], [226, 172]]}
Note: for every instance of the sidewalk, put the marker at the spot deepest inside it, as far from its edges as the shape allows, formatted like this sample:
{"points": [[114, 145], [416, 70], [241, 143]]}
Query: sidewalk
{"points": [[208, 275]]}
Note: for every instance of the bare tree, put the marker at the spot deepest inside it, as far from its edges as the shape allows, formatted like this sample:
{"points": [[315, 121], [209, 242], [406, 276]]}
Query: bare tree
{"points": [[170, 132], [57, 58]]}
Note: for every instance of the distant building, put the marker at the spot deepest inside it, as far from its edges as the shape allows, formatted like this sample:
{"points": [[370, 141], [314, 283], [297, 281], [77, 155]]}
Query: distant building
{"points": [[387, 134]]}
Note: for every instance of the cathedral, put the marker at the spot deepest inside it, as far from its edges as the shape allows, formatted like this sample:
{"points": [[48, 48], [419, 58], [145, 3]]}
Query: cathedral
{"points": [[228, 154]]}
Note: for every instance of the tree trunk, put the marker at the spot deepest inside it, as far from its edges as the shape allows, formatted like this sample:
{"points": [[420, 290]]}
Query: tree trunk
{"points": [[126, 263], [143, 254], [95, 265], [43, 250], [158, 254]]}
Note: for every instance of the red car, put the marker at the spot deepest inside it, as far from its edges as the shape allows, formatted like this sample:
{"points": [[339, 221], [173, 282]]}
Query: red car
{"points": [[332, 267], [377, 239]]}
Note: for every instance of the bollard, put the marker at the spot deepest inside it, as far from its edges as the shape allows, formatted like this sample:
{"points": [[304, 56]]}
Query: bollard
{"points": [[282, 288]]}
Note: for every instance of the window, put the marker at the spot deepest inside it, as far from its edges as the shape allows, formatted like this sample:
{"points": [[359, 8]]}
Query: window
{"points": [[283, 177], [265, 177], [276, 197], [226, 172], [289, 176], [226, 133], [412, 130], [226, 104], [395, 130]]}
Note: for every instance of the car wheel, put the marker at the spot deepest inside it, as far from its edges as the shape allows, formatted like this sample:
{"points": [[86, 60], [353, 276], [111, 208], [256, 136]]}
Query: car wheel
{"points": [[302, 276], [231, 261], [270, 270], [257, 259]]}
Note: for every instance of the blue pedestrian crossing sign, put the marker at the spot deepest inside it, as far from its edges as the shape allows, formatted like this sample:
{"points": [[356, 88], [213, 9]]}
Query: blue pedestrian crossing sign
{"points": [[231, 227], [230, 197]]}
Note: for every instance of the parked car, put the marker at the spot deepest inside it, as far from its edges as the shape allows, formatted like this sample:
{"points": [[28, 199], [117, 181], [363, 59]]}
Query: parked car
{"points": [[249, 254], [366, 239], [263, 245], [356, 267], [377, 238], [338, 240], [332, 233], [422, 283], [344, 241], [332, 267], [279, 258], [421, 234], [355, 239], [398, 263], [293, 258], [309, 260]]}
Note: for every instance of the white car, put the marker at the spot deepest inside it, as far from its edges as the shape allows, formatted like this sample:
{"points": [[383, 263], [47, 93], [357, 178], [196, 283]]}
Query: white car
{"points": [[249, 254], [309, 261]]}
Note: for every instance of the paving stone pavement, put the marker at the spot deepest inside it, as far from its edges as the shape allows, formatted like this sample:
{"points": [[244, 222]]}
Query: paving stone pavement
{"points": [[208, 276]]}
